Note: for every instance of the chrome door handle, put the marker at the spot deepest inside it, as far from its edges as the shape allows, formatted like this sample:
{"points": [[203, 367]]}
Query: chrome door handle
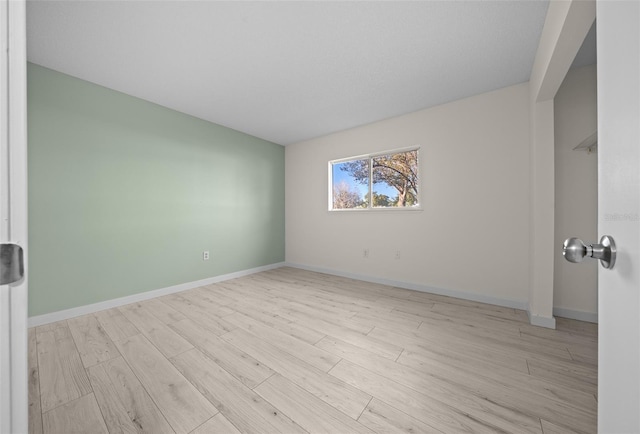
{"points": [[574, 250]]}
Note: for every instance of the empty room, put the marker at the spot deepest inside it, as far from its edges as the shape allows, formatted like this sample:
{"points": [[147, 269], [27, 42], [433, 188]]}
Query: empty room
{"points": [[320, 217]]}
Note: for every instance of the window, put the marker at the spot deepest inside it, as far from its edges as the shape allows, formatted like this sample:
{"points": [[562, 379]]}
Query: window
{"points": [[387, 180]]}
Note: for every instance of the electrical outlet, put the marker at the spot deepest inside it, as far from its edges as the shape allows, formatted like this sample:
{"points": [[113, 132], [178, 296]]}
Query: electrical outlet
{"points": [[365, 253], [205, 255], [397, 254]]}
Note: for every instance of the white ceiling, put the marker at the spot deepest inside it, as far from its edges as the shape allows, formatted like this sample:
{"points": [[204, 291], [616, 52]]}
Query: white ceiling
{"points": [[290, 71]]}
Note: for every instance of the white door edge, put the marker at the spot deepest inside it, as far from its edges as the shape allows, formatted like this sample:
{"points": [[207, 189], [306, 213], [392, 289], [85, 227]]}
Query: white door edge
{"points": [[13, 215]]}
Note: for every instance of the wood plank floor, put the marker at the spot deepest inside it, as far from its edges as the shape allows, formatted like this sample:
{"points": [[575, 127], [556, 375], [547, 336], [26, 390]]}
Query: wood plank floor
{"points": [[291, 351]]}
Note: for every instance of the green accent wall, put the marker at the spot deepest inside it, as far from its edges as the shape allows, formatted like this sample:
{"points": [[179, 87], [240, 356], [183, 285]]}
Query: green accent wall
{"points": [[125, 195]]}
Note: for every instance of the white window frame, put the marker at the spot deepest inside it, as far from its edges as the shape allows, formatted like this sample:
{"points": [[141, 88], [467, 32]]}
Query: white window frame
{"points": [[370, 207]]}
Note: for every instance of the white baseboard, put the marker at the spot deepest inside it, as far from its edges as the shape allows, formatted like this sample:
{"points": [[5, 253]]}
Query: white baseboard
{"points": [[516, 304], [542, 321], [116, 302], [579, 315]]}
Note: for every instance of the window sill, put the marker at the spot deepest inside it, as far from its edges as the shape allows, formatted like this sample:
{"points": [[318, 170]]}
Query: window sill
{"points": [[368, 210]]}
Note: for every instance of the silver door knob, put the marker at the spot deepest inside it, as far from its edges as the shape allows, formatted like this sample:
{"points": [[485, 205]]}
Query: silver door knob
{"points": [[574, 250]]}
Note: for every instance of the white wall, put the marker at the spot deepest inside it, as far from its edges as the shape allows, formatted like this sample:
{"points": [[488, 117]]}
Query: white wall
{"points": [[541, 217], [473, 234], [576, 191]]}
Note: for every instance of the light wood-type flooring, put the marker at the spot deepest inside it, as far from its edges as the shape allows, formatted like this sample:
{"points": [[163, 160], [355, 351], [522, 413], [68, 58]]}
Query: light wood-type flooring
{"points": [[291, 351]]}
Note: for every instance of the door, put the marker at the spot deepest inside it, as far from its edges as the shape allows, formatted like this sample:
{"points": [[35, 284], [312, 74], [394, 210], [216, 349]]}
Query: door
{"points": [[619, 215], [13, 217]]}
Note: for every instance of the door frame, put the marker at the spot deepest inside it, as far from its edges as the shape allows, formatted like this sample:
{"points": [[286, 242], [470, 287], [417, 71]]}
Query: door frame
{"points": [[14, 396]]}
